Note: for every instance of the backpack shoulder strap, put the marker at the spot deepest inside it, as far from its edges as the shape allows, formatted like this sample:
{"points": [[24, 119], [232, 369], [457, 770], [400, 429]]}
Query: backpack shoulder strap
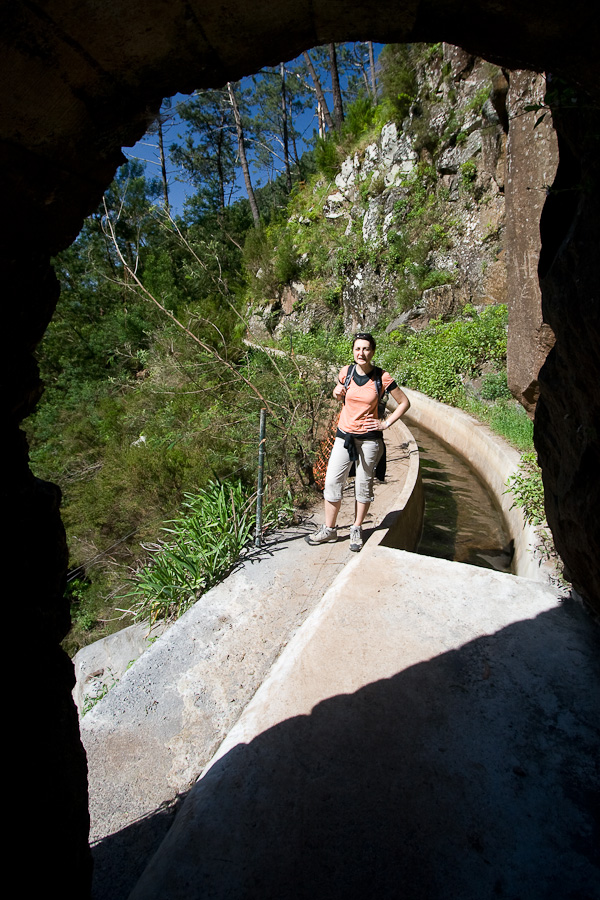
{"points": [[349, 374], [378, 378]]}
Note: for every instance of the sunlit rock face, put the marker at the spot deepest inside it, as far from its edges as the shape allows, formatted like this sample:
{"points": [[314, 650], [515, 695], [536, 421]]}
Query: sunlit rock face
{"points": [[532, 159], [80, 81]]}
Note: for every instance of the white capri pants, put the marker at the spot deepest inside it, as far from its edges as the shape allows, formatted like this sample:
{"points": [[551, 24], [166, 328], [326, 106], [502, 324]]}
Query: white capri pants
{"points": [[369, 454]]}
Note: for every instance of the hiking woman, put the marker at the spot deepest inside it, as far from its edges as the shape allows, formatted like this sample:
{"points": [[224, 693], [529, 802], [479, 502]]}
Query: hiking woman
{"points": [[359, 437]]}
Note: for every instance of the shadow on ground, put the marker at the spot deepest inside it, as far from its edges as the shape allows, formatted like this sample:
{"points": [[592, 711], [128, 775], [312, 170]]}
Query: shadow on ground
{"points": [[471, 775]]}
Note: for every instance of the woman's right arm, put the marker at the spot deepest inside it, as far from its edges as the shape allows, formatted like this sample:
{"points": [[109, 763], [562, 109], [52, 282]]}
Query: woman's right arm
{"points": [[339, 391]]}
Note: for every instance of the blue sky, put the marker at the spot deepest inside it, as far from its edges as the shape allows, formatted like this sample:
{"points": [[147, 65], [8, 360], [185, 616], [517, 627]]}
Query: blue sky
{"points": [[146, 150]]}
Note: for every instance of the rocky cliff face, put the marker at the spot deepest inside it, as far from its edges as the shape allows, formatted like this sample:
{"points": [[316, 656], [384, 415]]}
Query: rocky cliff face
{"points": [[532, 159], [443, 210]]}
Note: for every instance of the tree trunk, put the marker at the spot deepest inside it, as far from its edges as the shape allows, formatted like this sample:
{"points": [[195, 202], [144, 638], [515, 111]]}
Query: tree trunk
{"points": [[163, 165], [338, 109], [243, 158], [322, 104], [284, 129], [372, 65], [220, 172]]}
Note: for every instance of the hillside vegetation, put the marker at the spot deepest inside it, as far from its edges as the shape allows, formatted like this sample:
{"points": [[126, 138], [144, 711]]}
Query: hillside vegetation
{"points": [[161, 353]]}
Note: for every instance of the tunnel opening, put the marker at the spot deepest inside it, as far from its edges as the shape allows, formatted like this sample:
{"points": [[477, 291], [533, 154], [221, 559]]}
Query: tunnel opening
{"points": [[86, 82]]}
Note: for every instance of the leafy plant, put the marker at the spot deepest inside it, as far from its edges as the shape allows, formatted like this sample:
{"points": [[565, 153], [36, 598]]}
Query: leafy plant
{"points": [[494, 386], [528, 490], [506, 417], [359, 117], [480, 97], [326, 156], [437, 359], [202, 545], [399, 77], [90, 702], [286, 265], [468, 173]]}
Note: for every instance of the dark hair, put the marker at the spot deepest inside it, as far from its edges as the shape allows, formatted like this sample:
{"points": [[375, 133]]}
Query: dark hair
{"points": [[364, 336]]}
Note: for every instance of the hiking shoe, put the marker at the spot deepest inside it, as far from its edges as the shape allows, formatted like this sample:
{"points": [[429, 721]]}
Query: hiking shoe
{"points": [[356, 541], [323, 535]]}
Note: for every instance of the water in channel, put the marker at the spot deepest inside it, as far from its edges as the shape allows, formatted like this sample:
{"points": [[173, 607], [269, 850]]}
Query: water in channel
{"points": [[462, 521]]}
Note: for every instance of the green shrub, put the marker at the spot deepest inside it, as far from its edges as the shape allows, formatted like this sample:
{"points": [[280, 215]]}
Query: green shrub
{"points": [[507, 418], [527, 489], [359, 118], [494, 386], [286, 265], [200, 547], [437, 359], [468, 173], [398, 76], [327, 156], [477, 102]]}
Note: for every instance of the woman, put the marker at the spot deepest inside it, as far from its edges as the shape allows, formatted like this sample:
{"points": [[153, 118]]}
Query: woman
{"points": [[358, 439]]}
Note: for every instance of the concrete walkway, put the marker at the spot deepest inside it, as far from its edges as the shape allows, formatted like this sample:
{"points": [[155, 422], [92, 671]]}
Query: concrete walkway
{"points": [[370, 725], [152, 735], [431, 732]]}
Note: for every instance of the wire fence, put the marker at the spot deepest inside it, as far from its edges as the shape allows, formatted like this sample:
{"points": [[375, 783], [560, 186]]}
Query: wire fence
{"points": [[324, 451]]}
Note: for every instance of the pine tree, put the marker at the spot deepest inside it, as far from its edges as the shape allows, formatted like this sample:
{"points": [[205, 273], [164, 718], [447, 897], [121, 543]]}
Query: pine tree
{"points": [[242, 153], [208, 154], [322, 108], [338, 108], [279, 99]]}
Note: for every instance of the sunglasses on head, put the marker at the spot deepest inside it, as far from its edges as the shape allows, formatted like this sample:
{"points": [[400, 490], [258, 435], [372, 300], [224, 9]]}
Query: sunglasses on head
{"points": [[364, 336]]}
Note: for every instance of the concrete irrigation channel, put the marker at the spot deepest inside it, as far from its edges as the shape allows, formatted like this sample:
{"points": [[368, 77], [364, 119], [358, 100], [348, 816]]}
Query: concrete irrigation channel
{"points": [[326, 724]]}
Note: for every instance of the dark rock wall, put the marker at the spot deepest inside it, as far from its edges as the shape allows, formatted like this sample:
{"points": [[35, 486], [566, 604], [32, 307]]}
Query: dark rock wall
{"points": [[81, 80], [567, 422]]}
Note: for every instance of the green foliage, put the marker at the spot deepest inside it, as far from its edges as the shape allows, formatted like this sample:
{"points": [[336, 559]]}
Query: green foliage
{"points": [[271, 259], [208, 152], [437, 359], [327, 156], [494, 386], [420, 226], [436, 278], [202, 545], [90, 702], [278, 96], [257, 250], [286, 267], [468, 173], [506, 418], [479, 99], [81, 612], [359, 118], [398, 76], [327, 345], [528, 490]]}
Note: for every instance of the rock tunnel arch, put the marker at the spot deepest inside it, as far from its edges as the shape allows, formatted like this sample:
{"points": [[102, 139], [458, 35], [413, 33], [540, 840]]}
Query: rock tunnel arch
{"points": [[83, 79]]}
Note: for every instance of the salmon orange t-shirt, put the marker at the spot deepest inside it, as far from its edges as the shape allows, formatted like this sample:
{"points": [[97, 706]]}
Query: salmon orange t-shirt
{"points": [[361, 400]]}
